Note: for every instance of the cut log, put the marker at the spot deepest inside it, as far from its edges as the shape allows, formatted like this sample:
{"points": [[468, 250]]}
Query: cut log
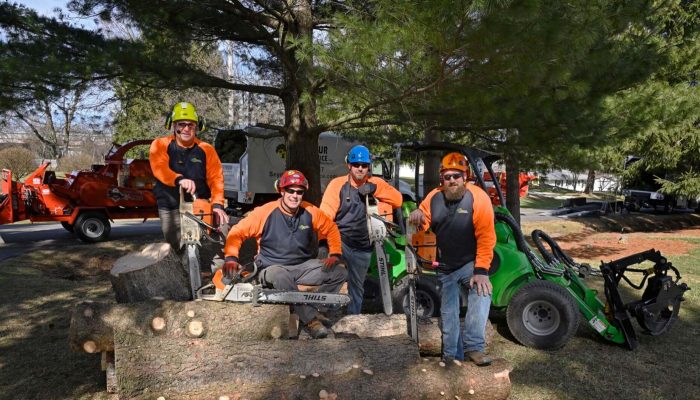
{"points": [[361, 368], [379, 325], [93, 324], [154, 272]]}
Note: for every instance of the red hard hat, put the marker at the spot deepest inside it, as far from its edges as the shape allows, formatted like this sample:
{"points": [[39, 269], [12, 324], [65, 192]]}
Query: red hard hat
{"points": [[292, 177]]}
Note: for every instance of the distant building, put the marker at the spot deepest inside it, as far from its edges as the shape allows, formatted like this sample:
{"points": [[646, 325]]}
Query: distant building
{"points": [[569, 180]]}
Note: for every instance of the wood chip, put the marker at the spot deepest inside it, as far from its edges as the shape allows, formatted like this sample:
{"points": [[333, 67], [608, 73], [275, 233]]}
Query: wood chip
{"points": [[322, 394], [424, 370], [302, 376], [355, 366], [88, 313], [442, 393], [471, 391], [315, 375], [190, 314], [442, 364], [368, 371], [223, 397], [161, 398]]}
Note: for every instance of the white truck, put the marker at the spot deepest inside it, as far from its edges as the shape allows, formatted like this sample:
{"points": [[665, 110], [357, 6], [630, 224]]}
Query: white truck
{"points": [[250, 182]]}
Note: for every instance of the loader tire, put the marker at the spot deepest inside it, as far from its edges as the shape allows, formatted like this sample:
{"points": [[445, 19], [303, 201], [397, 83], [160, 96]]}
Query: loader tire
{"points": [[427, 298], [542, 315], [92, 227], [67, 226]]}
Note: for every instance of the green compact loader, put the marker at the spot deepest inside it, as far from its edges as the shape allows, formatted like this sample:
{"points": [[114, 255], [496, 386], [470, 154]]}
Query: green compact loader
{"points": [[543, 292]]}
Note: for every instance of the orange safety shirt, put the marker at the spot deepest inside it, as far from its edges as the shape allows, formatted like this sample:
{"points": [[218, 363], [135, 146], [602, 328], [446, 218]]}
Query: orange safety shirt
{"points": [[464, 229], [343, 203], [171, 163], [283, 238]]}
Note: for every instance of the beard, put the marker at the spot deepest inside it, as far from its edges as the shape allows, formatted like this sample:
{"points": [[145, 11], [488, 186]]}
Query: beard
{"points": [[454, 192]]}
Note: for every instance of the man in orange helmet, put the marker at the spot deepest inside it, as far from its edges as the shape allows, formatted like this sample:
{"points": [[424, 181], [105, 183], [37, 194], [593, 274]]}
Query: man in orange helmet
{"points": [[287, 231], [461, 216], [181, 160]]}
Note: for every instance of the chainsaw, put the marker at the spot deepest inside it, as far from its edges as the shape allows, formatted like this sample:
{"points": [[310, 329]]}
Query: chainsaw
{"points": [[195, 227], [377, 233], [242, 288]]}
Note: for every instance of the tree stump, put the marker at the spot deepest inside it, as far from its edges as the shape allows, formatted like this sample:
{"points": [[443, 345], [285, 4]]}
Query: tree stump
{"points": [[154, 272], [93, 324], [379, 325], [359, 368]]}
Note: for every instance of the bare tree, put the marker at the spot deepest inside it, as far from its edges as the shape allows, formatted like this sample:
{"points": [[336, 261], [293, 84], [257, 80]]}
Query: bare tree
{"points": [[18, 159], [55, 122]]}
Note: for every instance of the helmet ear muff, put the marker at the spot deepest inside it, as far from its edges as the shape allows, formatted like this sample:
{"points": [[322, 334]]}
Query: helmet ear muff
{"points": [[202, 124], [169, 121], [277, 185]]}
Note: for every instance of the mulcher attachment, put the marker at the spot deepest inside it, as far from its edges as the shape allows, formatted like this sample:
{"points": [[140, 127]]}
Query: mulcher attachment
{"points": [[658, 309]]}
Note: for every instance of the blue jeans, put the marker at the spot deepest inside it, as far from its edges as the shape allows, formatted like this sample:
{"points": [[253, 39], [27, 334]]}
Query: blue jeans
{"points": [[456, 341], [357, 263]]}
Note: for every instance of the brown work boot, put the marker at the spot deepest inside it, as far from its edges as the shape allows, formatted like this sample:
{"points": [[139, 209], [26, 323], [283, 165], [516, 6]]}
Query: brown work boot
{"points": [[315, 329], [479, 358]]}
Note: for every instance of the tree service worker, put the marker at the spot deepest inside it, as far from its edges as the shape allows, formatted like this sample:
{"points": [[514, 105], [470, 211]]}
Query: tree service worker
{"points": [[182, 160], [287, 232], [462, 218], [344, 202]]}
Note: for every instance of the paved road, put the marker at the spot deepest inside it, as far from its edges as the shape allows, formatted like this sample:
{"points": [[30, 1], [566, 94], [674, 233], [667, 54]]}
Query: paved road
{"points": [[16, 239]]}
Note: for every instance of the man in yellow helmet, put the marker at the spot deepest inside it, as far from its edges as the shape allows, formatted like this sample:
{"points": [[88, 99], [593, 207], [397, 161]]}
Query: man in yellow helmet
{"points": [[181, 160]]}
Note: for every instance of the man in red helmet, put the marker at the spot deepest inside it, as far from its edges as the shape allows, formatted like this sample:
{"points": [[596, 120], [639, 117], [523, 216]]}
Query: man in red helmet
{"points": [[287, 232], [461, 216]]}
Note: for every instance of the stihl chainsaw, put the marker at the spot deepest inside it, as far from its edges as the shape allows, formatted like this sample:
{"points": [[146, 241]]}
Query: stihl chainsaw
{"points": [[241, 288]]}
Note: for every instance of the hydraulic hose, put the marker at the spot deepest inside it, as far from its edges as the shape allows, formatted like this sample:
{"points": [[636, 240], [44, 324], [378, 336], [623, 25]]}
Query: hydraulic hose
{"points": [[557, 255], [538, 265]]}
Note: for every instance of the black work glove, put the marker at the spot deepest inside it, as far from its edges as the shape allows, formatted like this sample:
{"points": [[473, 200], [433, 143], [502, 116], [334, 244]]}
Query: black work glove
{"points": [[367, 189]]}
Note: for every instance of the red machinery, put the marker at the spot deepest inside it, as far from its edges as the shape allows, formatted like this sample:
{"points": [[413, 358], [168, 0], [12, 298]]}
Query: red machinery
{"points": [[84, 201], [523, 180]]}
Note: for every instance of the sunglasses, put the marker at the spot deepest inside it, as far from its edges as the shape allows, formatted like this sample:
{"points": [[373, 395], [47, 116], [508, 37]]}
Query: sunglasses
{"points": [[359, 165], [300, 192], [449, 177]]}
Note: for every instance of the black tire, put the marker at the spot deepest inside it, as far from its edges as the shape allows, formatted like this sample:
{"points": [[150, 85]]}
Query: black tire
{"points": [[67, 226], [542, 315], [92, 227], [427, 297]]}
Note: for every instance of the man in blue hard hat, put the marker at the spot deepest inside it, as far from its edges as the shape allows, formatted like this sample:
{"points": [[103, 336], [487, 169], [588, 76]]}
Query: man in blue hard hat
{"points": [[344, 202]]}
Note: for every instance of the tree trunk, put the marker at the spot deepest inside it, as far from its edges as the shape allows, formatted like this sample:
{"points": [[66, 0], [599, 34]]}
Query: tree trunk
{"points": [[388, 367], [513, 185], [590, 182], [380, 325], [301, 122], [154, 272], [93, 325], [431, 160]]}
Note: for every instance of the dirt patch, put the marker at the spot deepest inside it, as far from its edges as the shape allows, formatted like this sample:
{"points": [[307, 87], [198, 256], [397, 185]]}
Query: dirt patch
{"points": [[606, 246], [611, 237]]}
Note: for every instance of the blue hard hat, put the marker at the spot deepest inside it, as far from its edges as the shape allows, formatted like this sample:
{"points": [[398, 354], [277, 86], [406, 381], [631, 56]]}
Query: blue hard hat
{"points": [[359, 154]]}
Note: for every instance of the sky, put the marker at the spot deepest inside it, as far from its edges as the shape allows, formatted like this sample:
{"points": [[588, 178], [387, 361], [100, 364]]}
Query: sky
{"points": [[46, 7]]}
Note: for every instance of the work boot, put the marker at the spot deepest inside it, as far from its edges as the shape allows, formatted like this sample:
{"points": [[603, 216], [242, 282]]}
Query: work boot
{"points": [[315, 329], [479, 358]]}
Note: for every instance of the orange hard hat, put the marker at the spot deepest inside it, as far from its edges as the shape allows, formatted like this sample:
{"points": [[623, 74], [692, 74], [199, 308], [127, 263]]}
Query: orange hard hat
{"points": [[454, 161]]}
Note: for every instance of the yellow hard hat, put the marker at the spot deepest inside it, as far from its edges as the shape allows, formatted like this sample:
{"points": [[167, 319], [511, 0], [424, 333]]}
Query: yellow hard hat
{"points": [[184, 111]]}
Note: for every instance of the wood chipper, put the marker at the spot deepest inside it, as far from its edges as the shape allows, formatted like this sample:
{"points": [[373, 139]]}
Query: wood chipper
{"points": [[84, 201]]}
